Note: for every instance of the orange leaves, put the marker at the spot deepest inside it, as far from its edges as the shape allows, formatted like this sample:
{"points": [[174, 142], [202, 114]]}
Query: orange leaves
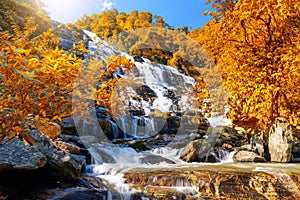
{"points": [[256, 45], [96, 83], [111, 22], [36, 79], [105, 90], [52, 130], [120, 62], [36, 118]]}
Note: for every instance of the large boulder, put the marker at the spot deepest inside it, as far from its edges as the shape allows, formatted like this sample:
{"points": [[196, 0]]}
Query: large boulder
{"points": [[84, 188], [229, 136], [280, 141], [247, 156], [42, 164], [66, 166], [216, 139], [198, 151], [15, 155], [191, 152]]}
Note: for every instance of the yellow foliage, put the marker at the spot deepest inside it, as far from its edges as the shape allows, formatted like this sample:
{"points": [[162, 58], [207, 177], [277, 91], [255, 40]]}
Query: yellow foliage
{"points": [[96, 84], [107, 87], [112, 22], [36, 79], [19, 12], [256, 47]]}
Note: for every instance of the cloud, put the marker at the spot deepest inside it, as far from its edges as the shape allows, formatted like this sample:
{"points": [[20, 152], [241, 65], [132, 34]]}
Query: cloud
{"points": [[107, 5]]}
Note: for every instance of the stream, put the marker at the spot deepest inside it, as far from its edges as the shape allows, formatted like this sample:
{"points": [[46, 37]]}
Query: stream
{"points": [[127, 176], [155, 171]]}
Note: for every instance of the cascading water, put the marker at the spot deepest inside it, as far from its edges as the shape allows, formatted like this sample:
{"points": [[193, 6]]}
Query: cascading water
{"points": [[159, 90], [164, 91], [223, 156], [115, 129]]}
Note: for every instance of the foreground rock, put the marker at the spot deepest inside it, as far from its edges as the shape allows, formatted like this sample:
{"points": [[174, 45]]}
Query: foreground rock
{"points": [[247, 156], [42, 164], [66, 166], [280, 141], [217, 182], [15, 155], [85, 188]]}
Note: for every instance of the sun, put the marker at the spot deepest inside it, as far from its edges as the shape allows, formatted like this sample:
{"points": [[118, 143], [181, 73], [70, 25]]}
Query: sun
{"points": [[65, 10]]}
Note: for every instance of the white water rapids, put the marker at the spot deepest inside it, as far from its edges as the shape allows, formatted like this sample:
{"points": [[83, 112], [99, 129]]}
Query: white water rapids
{"points": [[110, 160]]}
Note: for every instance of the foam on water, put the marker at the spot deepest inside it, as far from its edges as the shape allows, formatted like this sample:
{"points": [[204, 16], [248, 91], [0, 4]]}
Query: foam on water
{"points": [[112, 161]]}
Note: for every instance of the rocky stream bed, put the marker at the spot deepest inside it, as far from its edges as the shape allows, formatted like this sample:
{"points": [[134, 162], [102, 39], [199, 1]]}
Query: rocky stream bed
{"points": [[152, 152]]}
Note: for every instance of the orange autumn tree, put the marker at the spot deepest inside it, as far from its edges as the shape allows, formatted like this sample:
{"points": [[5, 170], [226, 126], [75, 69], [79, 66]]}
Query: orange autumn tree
{"points": [[97, 83], [109, 23], [21, 10], [36, 79], [256, 45], [107, 87]]}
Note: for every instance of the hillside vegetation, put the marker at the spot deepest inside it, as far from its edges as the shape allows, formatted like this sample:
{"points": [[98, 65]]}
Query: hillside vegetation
{"points": [[255, 45]]}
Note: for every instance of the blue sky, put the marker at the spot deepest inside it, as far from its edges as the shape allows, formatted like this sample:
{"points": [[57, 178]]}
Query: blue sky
{"points": [[175, 12]]}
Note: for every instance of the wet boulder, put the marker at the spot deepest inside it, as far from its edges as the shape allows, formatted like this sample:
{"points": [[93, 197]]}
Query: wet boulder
{"points": [[146, 92], [200, 150], [247, 156], [229, 136], [138, 59], [190, 153], [259, 143]]}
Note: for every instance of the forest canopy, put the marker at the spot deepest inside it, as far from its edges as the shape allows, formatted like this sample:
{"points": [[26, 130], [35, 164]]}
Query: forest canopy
{"points": [[255, 45]]}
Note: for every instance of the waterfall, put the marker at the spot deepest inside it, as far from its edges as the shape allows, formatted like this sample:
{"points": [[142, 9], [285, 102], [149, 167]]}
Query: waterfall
{"points": [[157, 93], [162, 91], [223, 156], [165, 75], [115, 129]]}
